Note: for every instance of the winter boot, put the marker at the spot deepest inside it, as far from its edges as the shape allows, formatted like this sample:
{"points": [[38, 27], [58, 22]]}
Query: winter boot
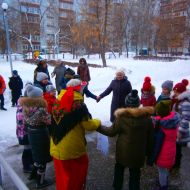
{"points": [[42, 182], [27, 161], [33, 174]]}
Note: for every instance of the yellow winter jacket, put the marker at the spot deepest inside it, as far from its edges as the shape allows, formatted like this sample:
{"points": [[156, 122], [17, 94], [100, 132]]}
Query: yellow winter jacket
{"points": [[73, 145]]}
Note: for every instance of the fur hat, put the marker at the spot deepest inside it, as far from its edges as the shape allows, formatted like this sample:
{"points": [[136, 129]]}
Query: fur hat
{"points": [[41, 76], [163, 108], [73, 82], [181, 86], [15, 72], [50, 88], [168, 84], [147, 84], [33, 91], [132, 99]]}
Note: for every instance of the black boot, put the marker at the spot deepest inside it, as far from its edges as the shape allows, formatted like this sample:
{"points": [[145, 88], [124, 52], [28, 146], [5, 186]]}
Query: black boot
{"points": [[33, 174], [42, 182]]}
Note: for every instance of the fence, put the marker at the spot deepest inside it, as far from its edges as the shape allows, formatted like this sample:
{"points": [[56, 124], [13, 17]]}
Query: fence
{"points": [[15, 178]]}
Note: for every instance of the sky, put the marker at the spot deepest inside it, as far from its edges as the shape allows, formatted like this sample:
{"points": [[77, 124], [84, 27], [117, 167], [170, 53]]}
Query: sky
{"points": [[100, 79]]}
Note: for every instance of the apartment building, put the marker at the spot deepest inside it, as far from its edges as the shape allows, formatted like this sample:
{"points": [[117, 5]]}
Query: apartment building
{"points": [[175, 12], [66, 16]]}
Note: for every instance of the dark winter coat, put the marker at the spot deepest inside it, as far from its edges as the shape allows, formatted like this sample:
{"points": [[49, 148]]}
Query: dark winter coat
{"points": [[16, 85], [40, 68], [84, 72], [36, 118], [120, 89], [134, 128]]}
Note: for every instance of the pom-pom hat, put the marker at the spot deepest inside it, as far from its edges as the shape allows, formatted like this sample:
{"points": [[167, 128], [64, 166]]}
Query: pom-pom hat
{"points": [[181, 86], [147, 84]]}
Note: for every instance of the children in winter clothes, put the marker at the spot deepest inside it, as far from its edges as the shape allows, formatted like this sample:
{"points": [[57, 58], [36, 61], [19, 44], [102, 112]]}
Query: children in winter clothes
{"points": [[37, 119], [70, 120], [50, 96], [134, 128], [181, 104], [148, 93], [168, 123], [83, 70], [167, 87], [22, 135], [42, 81], [2, 90], [16, 86]]}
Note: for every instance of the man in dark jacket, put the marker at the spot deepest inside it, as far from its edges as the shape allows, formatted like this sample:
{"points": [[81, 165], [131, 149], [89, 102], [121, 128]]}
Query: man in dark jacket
{"points": [[16, 86]]}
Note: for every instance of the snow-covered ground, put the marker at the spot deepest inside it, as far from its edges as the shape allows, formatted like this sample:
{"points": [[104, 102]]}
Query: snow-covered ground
{"points": [[100, 78]]}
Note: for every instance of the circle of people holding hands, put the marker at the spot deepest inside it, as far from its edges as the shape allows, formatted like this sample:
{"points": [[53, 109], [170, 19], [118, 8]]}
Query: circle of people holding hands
{"points": [[53, 128]]}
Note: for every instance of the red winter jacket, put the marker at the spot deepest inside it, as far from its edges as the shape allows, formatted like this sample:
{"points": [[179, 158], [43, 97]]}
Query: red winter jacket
{"points": [[2, 85], [169, 126], [50, 101]]}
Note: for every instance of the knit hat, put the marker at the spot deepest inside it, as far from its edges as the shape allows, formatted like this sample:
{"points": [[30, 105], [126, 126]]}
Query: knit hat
{"points": [[163, 108], [147, 84], [121, 70], [33, 91], [181, 86], [41, 76], [73, 82], [168, 84], [15, 72], [132, 99], [50, 88]]}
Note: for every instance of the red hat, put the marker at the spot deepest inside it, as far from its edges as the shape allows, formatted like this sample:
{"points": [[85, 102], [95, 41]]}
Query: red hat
{"points": [[181, 86], [147, 85]]}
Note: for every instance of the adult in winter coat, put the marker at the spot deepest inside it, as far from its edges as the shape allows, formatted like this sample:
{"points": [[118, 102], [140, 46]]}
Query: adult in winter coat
{"points": [[59, 72], [70, 120], [37, 119], [16, 86], [120, 87], [134, 128], [41, 67], [181, 104], [2, 90], [83, 70]]}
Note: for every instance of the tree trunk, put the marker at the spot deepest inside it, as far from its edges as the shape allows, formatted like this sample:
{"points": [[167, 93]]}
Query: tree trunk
{"points": [[103, 59]]}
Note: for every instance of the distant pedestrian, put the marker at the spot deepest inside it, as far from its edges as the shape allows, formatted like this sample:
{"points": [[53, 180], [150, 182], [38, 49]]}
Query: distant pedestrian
{"points": [[37, 119], [134, 129], [16, 86], [167, 87], [41, 67], [2, 90], [83, 70], [120, 87], [59, 72], [167, 122], [148, 93], [69, 74]]}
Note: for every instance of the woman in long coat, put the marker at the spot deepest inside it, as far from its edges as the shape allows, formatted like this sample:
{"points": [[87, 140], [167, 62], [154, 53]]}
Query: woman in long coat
{"points": [[120, 87]]}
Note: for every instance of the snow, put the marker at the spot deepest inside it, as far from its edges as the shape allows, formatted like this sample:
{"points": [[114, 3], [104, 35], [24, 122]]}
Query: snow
{"points": [[135, 70]]}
